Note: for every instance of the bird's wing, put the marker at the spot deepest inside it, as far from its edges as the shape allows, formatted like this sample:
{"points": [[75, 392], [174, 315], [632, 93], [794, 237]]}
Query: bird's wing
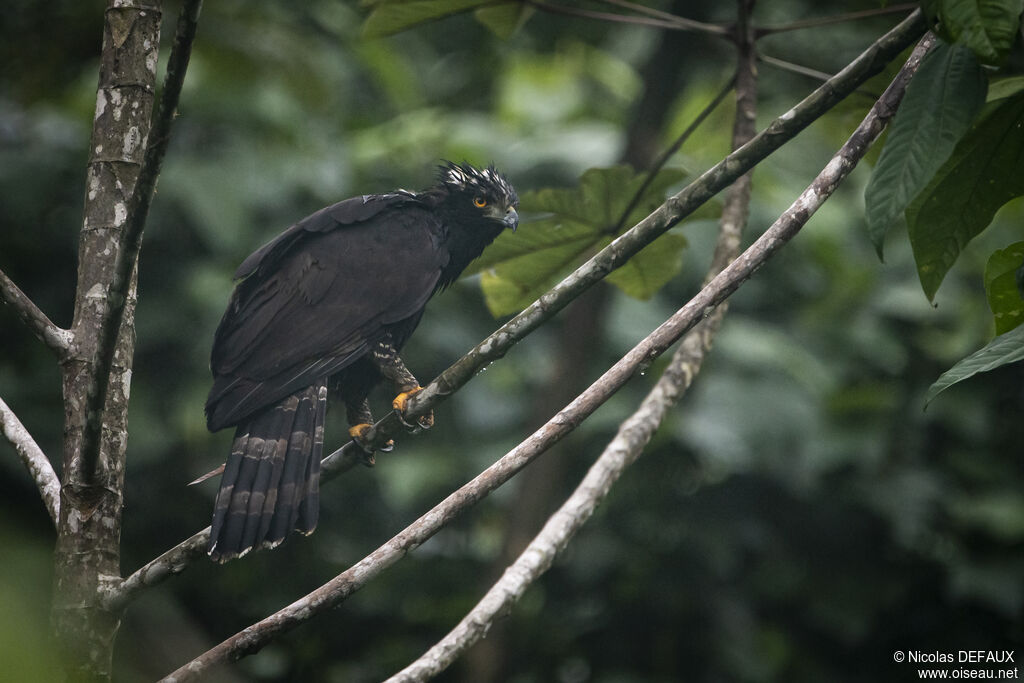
{"points": [[317, 298], [348, 212]]}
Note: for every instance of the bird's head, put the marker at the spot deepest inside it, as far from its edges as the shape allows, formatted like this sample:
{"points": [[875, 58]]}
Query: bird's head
{"points": [[479, 195]]}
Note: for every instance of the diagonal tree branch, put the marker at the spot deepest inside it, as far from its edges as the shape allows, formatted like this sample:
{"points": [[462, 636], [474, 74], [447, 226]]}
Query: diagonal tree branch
{"points": [[330, 594], [673, 210], [636, 431], [784, 128], [537, 557], [35, 460], [130, 242], [55, 338], [676, 208], [253, 638]]}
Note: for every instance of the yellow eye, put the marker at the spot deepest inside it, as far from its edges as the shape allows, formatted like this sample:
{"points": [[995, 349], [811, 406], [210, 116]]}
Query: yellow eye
{"points": [[480, 202]]}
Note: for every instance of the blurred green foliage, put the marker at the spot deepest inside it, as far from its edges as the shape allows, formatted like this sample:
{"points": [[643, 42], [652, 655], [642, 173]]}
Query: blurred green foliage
{"points": [[798, 518]]}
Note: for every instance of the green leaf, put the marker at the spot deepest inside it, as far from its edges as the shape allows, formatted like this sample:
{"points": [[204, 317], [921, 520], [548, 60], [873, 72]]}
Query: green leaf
{"points": [[515, 284], [505, 19], [393, 16], [1000, 88], [603, 195], [1003, 350], [985, 171], [987, 27], [651, 268], [521, 266], [547, 234], [1004, 297], [940, 103], [525, 266]]}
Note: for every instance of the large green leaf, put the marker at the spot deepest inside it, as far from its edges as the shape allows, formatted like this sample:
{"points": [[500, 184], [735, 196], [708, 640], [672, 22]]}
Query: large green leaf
{"points": [[552, 233], [985, 171], [602, 196], [999, 88], [526, 267], [1004, 296], [987, 27], [521, 266], [393, 16], [940, 103], [651, 268], [1003, 350]]}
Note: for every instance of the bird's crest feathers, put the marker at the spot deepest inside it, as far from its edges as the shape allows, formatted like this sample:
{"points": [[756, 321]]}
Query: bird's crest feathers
{"points": [[466, 177]]}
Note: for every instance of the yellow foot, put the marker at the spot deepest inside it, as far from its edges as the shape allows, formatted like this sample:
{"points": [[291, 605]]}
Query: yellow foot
{"points": [[399, 404], [360, 434]]}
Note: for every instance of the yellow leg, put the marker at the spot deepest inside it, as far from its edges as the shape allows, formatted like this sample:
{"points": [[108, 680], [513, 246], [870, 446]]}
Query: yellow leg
{"points": [[399, 404], [359, 435]]}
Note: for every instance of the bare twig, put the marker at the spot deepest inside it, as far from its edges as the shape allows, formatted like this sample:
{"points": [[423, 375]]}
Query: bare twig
{"points": [[636, 431], [795, 68], [815, 22], [656, 22], [55, 338], [131, 239], [32, 456], [680, 22], [808, 72], [498, 343], [173, 561]]}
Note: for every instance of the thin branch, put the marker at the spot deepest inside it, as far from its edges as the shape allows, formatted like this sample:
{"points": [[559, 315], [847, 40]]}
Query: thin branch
{"points": [[131, 240], [681, 23], [499, 342], [808, 72], [668, 153], [636, 431], [837, 19], [253, 638], [35, 460], [55, 338], [606, 16], [795, 68]]}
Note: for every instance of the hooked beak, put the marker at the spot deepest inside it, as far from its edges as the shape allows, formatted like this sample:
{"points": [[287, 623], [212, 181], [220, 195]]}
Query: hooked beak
{"points": [[511, 219]]}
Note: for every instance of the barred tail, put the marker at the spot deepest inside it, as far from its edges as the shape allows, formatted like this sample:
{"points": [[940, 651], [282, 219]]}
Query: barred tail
{"points": [[271, 483]]}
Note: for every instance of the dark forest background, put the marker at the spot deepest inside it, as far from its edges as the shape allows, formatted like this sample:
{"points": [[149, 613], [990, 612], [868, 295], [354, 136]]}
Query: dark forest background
{"points": [[799, 517]]}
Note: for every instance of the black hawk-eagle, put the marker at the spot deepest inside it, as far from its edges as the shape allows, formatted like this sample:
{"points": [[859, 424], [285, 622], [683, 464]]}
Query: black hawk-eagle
{"points": [[328, 305]]}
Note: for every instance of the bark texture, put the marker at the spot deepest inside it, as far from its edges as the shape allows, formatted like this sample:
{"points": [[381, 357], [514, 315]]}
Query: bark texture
{"points": [[87, 555]]}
